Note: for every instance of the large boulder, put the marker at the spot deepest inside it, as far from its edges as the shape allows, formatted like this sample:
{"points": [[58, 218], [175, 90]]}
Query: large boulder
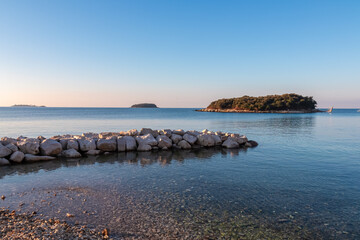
{"points": [[87, 144], [184, 144], [4, 161], [164, 141], [179, 132], [176, 138], [34, 158], [190, 138], [230, 143], [70, 153], [144, 147], [206, 140], [145, 131], [217, 140], [130, 143], [4, 151], [147, 139], [12, 147], [6, 140], [17, 157], [29, 145], [72, 144], [64, 142], [107, 145], [121, 144], [239, 139], [50, 147]]}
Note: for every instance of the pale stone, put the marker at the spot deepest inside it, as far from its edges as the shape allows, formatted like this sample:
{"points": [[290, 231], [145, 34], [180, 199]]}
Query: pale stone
{"points": [[184, 144], [87, 144], [107, 145], [180, 132], [17, 157], [33, 158], [4, 151], [217, 140], [206, 140], [4, 161], [6, 140], [166, 132], [63, 143], [70, 153], [190, 138], [12, 147], [145, 131], [93, 152], [176, 138], [90, 135], [144, 147], [108, 134], [147, 139], [72, 144], [230, 143], [132, 132], [121, 144], [164, 141], [29, 145], [130, 143], [50, 147]]}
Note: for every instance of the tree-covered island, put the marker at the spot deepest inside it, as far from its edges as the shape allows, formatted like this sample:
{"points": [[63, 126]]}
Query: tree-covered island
{"points": [[286, 103]]}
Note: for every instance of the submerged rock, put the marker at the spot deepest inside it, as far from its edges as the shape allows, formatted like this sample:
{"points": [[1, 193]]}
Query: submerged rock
{"points": [[34, 158]]}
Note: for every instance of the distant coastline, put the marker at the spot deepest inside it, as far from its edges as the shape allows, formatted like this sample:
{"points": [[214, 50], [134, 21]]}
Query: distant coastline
{"points": [[144, 105], [286, 103], [26, 105]]}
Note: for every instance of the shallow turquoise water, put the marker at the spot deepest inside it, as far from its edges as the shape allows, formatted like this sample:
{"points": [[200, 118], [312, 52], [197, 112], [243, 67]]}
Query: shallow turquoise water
{"points": [[302, 181]]}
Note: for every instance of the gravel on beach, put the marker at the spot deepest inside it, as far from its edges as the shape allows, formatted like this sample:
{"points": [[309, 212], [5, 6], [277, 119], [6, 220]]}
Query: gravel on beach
{"points": [[28, 226]]}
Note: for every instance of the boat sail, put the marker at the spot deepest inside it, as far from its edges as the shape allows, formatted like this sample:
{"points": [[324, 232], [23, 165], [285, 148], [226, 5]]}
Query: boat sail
{"points": [[330, 110]]}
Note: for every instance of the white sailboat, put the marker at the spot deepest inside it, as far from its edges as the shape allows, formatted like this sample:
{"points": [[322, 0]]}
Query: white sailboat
{"points": [[330, 110]]}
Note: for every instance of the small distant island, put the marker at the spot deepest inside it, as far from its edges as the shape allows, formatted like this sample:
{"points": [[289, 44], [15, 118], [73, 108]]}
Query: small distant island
{"points": [[25, 105], [144, 105], [286, 103]]}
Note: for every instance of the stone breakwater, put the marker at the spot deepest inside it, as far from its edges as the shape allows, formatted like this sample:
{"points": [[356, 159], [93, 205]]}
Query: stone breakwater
{"points": [[23, 149]]}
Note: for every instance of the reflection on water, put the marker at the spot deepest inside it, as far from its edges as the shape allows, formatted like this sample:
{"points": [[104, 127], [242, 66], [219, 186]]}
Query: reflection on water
{"points": [[137, 158]]}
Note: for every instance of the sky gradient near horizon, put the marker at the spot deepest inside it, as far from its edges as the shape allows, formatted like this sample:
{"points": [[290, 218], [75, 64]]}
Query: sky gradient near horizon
{"points": [[178, 53]]}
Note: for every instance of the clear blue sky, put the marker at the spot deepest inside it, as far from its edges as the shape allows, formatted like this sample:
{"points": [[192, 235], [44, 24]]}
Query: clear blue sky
{"points": [[177, 53]]}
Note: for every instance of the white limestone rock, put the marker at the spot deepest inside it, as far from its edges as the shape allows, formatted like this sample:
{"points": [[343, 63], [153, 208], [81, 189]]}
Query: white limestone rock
{"points": [[190, 138], [29, 146], [176, 138], [144, 147], [17, 157], [4, 151], [164, 141], [72, 144], [184, 144], [230, 143], [87, 144], [206, 140], [147, 139], [107, 145], [50, 147], [12, 147]]}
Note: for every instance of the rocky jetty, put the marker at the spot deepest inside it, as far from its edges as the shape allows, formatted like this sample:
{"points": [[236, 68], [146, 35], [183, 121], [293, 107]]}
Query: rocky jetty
{"points": [[23, 149]]}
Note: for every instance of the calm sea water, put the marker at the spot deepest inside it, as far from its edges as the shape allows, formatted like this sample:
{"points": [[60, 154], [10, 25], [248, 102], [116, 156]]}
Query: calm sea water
{"points": [[302, 181]]}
